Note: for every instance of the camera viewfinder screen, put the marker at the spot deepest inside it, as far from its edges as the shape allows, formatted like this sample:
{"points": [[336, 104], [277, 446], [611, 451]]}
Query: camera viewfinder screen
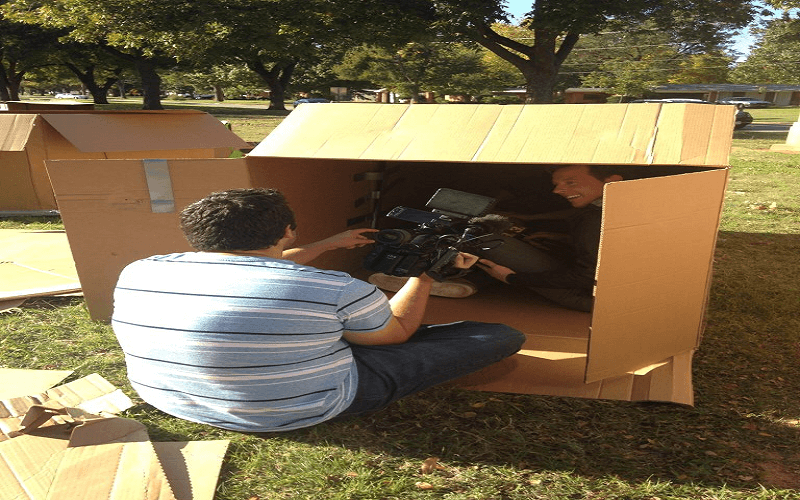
{"points": [[450, 200]]}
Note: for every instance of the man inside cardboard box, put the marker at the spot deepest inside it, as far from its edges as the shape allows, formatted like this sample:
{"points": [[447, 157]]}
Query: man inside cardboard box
{"points": [[562, 269], [563, 274], [245, 336]]}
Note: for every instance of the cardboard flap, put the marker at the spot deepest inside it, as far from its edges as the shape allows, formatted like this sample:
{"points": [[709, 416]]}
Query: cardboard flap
{"points": [[642, 134], [35, 263], [98, 132], [109, 472], [106, 202], [15, 130], [654, 271], [16, 382], [101, 430]]}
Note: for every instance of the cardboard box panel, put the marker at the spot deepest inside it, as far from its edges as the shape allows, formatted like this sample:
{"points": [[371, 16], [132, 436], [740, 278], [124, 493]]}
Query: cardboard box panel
{"points": [[106, 132], [655, 254], [108, 217], [97, 134], [642, 134]]}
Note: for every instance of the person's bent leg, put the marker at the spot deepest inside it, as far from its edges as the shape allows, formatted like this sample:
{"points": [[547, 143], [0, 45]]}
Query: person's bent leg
{"points": [[568, 297], [434, 355]]}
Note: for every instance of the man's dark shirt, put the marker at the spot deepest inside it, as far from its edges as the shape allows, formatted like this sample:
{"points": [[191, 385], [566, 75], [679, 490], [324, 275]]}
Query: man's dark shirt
{"points": [[579, 265]]}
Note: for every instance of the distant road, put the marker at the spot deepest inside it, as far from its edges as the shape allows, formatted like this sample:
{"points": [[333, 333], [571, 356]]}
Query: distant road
{"points": [[774, 127]]}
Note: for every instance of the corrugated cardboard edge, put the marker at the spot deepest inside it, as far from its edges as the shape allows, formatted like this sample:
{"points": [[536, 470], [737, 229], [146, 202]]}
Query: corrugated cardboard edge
{"points": [[105, 132], [15, 131], [110, 472], [104, 457], [15, 382], [92, 393], [36, 263]]}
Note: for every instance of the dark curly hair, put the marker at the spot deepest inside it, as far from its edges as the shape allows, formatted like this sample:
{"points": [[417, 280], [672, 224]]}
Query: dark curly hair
{"points": [[237, 219]]}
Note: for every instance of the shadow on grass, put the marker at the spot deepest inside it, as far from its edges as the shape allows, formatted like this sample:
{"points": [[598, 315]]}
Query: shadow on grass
{"points": [[743, 432], [777, 137]]}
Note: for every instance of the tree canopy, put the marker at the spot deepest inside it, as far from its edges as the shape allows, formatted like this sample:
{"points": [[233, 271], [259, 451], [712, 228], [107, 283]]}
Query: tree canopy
{"points": [[413, 44], [557, 26]]}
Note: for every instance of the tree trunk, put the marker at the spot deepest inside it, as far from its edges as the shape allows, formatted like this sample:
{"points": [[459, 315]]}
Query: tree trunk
{"points": [[151, 84], [219, 93], [4, 95], [277, 79], [99, 92], [539, 63], [13, 86], [11, 81]]}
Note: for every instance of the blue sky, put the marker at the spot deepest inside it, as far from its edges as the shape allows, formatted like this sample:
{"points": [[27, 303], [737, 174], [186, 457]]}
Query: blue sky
{"points": [[519, 7]]}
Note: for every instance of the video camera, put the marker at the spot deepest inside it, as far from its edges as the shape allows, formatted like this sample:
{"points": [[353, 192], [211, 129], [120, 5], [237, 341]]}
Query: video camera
{"points": [[456, 223]]}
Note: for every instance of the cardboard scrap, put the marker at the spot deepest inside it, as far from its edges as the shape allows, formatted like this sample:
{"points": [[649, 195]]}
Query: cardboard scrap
{"points": [[17, 382], [35, 263], [53, 448]]}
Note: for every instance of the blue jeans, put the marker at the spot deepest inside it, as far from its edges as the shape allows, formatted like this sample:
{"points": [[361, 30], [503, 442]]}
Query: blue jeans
{"points": [[433, 355]]}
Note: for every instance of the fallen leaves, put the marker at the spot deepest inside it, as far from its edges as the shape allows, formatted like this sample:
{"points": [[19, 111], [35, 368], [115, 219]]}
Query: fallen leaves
{"points": [[431, 465], [762, 206]]}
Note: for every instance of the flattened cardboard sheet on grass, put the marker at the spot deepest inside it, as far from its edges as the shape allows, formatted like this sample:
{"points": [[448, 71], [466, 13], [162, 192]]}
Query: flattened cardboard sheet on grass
{"points": [[92, 394], [51, 451], [35, 263]]}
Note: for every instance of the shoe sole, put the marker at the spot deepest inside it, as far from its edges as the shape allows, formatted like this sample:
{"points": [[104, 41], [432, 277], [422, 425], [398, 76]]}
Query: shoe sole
{"points": [[447, 289]]}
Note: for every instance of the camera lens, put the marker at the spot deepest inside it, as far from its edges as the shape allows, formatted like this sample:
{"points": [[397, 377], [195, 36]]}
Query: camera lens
{"points": [[392, 236]]}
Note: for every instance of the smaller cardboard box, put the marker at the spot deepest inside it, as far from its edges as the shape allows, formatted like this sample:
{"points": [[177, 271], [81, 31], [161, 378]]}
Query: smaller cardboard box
{"points": [[336, 162], [28, 138]]}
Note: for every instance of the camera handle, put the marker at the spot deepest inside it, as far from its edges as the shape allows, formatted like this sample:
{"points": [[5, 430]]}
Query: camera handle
{"points": [[447, 258]]}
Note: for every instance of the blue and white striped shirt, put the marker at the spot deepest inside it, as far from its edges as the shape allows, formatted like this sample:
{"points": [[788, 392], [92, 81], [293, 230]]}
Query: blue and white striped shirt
{"points": [[244, 343]]}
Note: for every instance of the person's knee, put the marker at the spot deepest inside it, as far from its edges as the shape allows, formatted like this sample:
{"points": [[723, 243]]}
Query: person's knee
{"points": [[500, 334]]}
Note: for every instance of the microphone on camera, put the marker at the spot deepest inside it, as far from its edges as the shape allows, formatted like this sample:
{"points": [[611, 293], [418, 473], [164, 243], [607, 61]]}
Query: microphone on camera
{"points": [[490, 224]]}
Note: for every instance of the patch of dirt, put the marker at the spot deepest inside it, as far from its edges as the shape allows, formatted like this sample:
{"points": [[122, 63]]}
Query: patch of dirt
{"points": [[777, 474]]}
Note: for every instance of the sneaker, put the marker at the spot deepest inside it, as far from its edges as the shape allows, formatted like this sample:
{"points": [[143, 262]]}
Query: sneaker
{"points": [[456, 289]]}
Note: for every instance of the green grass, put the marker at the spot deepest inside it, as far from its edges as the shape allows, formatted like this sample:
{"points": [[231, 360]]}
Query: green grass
{"points": [[740, 442], [783, 115]]}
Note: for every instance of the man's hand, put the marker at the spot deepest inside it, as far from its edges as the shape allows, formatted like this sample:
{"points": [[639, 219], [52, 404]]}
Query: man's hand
{"points": [[495, 270], [349, 239], [465, 260]]}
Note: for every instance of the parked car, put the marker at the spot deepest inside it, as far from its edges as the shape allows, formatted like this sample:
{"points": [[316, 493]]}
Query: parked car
{"points": [[743, 119], [71, 96], [747, 102], [309, 99]]}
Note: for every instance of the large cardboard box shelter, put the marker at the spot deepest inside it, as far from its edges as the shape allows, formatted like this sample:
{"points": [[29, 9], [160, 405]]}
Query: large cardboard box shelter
{"points": [[29, 138], [336, 162]]}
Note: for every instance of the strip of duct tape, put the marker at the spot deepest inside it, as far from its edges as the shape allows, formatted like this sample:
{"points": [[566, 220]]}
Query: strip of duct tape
{"points": [[160, 185]]}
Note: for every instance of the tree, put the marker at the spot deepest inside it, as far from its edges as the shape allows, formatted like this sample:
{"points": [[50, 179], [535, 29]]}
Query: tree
{"points": [[774, 59], [274, 39], [23, 48], [147, 34], [631, 62], [557, 26], [95, 68], [433, 66], [704, 68]]}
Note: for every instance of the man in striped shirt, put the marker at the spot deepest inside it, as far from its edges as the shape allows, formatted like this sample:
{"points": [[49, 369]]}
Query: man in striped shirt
{"points": [[243, 335]]}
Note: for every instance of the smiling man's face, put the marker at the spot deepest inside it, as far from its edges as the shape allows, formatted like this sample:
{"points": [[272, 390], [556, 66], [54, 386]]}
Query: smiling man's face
{"points": [[577, 185]]}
